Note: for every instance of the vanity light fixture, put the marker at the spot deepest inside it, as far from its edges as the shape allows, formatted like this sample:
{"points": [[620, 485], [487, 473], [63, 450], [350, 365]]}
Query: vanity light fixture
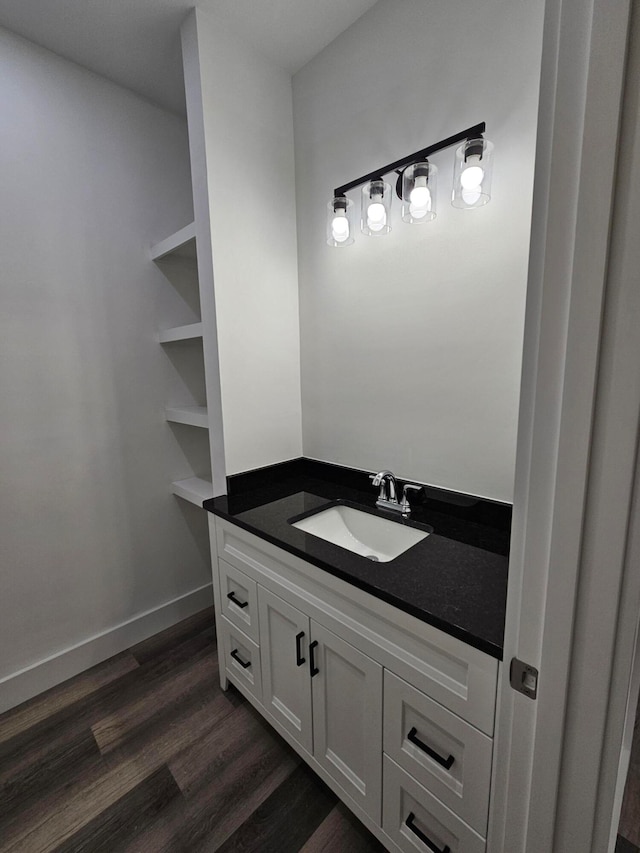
{"points": [[415, 186]]}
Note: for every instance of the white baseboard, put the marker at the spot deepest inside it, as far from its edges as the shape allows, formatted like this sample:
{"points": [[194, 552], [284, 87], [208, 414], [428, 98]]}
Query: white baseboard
{"points": [[38, 677]]}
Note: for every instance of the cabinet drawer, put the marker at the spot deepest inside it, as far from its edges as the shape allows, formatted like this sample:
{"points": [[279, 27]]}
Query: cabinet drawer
{"points": [[241, 658], [417, 821], [444, 753], [239, 600]]}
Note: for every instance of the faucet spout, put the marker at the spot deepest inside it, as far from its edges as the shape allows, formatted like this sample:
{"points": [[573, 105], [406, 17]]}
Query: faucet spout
{"points": [[381, 479]]}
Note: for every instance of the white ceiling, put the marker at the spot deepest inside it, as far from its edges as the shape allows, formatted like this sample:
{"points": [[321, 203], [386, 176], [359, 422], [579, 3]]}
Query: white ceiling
{"points": [[136, 43]]}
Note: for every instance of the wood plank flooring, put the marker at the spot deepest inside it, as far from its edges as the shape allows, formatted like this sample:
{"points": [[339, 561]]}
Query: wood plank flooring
{"points": [[624, 846], [629, 828], [145, 754]]}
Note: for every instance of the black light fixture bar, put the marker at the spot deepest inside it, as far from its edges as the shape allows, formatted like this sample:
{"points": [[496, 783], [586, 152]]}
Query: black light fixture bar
{"points": [[470, 133]]}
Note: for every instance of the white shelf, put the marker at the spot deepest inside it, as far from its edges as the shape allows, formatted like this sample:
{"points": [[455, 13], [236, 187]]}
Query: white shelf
{"points": [[193, 489], [180, 333], [191, 415], [183, 242]]}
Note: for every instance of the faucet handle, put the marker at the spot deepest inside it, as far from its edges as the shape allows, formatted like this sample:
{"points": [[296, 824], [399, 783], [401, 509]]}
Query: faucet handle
{"points": [[408, 487]]}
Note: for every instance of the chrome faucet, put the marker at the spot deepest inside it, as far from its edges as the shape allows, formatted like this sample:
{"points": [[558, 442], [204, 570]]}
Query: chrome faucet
{"points": [[381, 479], [391, 501]]}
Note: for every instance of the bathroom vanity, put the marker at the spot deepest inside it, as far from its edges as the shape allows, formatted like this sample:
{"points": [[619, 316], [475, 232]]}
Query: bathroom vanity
{"points": [[382, 675]]}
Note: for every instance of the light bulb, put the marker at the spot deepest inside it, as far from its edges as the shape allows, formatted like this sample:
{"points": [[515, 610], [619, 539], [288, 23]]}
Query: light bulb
{"points": [[375, 201], [376, 215], [339, 231], [471, 177], [472, 174], [340, 228], [419, 193], [420, 197]]}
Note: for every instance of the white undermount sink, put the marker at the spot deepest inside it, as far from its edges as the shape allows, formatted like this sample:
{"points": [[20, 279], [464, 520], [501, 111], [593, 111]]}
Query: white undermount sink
{"points": [[379, 539]]}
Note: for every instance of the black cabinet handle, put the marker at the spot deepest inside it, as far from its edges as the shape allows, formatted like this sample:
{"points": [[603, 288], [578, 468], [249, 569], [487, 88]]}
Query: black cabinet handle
{"points": [[314, 669], [237, 601], [299, 659], [411, 825], [243, 663], [445, 762]]}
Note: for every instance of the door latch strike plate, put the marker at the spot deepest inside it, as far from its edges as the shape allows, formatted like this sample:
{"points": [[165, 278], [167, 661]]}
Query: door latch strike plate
{"points": [[524, 678]]}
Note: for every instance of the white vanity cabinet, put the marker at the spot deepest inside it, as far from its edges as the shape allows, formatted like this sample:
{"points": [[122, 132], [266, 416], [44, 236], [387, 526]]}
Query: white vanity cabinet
{"points": [[394, 715]]}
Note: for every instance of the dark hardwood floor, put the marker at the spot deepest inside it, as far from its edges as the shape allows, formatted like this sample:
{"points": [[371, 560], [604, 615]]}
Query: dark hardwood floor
{"points": [[145, 753], [629, 829], [624, 846]]}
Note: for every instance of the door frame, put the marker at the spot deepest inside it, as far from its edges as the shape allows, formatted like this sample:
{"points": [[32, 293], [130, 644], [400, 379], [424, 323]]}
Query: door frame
{"points": [[573, 585]]}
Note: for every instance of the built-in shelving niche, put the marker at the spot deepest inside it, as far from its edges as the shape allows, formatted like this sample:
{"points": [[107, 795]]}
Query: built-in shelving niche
{"points": [[180, 336]]}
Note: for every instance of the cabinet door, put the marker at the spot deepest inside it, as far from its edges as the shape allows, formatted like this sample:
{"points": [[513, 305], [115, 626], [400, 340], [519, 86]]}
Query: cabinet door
{"points": [[347, 717], [284, 643]]}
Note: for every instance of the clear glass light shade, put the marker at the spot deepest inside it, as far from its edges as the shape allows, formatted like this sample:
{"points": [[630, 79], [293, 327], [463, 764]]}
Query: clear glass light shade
{"points": [[376, 208], [472, 174], [419, 192], [340, 222]]}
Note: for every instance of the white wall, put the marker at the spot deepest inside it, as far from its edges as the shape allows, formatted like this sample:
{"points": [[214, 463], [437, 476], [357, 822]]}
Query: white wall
{"points": [[411, 343], [248, 135], [90, 535]]}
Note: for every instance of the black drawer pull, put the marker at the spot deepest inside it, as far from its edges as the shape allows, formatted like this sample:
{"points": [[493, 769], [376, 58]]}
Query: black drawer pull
{"points": [[299, 659], [411, 825], [237, 601], [445, 762], [314, 669], [243, 663]]}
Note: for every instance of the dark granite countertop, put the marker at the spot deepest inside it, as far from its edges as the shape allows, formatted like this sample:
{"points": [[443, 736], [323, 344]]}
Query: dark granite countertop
{"points": [[455, 579]]}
